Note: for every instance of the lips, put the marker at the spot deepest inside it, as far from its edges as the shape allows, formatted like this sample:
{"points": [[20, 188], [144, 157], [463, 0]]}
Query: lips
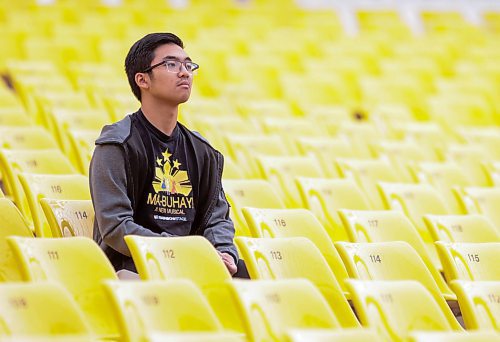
{"points": [[183, 84]]}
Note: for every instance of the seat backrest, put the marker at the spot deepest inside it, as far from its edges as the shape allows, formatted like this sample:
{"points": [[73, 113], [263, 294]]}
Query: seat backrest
{"points": [[366, 173], [271, 307], [69, 217], [281, 223], [396, 308], [481, 200], [39, 309], [325, 196], [479, 302], [286, 258], [281, 171], [11, 223], [327, 335], [142, 307], [384, 226], [461, 228], [37, 186], [470, 261], [28, 137], [415, 200], [78, 264], [249, 193], [191, 257], [382, 261]]}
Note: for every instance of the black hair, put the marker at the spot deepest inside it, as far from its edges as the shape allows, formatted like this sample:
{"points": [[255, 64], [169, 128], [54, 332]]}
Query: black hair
{"points": [[141, 54]]}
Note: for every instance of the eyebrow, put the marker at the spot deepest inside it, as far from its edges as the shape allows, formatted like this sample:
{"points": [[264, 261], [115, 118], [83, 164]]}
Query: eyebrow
{"points": [[176, 58]]}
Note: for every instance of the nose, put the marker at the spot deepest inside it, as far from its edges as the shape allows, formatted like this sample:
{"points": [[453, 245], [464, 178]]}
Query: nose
{"points": [[183, 71]]}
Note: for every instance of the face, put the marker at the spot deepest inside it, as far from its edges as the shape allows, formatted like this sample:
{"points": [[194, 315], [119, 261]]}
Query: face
{"points": [[162, 84]]}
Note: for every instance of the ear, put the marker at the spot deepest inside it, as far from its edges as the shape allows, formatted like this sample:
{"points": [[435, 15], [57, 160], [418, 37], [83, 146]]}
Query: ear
{"points": [[142, 80]]}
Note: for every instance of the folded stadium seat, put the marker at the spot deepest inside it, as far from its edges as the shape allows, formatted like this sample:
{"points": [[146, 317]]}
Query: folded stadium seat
{"points": [[397, 308], [246, 148], [13, 162], [14, 116], [325, 196], [12, 223], [232, 170], [48, 100], [272, 307], [173, 310], [297, 257], [401, 153], [76, 263], [120, 105], [41, 312], [416, 200], [384, 226], [470, 336], [38, 186], [264, 108], [212, 128], [366, 173], [82, 144], [62, 120], [206, 107], [282, 223], [326, 150], [26, 137], [480, 200], [469, 261], [330, 116], [487, 137], [325, 335], [68, 218], [461, 228], [492, 170], [382, 261], [470, 159], [479, 303], [249, 193], [289, 128], [191, 257], [361, 135], [443, 176], [281, 173]]}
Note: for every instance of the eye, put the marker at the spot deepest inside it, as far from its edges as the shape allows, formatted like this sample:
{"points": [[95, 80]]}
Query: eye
{"points": [[189, 66], [171, 64]]}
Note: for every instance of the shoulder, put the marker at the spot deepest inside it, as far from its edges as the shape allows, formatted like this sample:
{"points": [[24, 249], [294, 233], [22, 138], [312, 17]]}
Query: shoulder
{"points": [[116, 133]]}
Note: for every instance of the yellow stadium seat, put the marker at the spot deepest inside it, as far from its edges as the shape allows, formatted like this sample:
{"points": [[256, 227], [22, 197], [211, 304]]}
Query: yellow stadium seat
{"points": [[11, 223], [397, 308], [14, 116], [249, 193], [481, 200], [190, 257], [361, 134], [272, 307], [298, 257], [492, 170], [38, 186], [282, 223], [461, 228], [443, 177], [40, 312], [281, 171], [68, 218], [325, 335], [470, 158], [469, 261], [382, 261], [171, 308], [366, 173], [325, 196], [79, 265], [384, 226], [26, 137], [82, 144], [232, 170], [479, 303], [246, 148], [416, 200], [487, 137]]}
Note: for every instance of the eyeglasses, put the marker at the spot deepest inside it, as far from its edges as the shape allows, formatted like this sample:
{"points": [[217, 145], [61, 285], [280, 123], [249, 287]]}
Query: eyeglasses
{"points": [[175, 66]]}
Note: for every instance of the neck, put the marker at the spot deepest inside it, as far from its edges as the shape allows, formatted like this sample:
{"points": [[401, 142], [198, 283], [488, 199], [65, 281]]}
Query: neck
{"points": [[163, 116]]}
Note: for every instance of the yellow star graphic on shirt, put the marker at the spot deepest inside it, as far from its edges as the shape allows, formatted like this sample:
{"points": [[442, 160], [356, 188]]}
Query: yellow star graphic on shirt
{"points": [[177, 164], [158, 161], [166, 155]]}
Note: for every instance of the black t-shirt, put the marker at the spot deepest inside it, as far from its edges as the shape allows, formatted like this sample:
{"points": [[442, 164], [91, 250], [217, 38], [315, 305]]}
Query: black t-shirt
{"points": [[166, 204]]}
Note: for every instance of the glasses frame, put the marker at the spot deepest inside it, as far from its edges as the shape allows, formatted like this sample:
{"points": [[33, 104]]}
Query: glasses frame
{"points": [[151, 67]]}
